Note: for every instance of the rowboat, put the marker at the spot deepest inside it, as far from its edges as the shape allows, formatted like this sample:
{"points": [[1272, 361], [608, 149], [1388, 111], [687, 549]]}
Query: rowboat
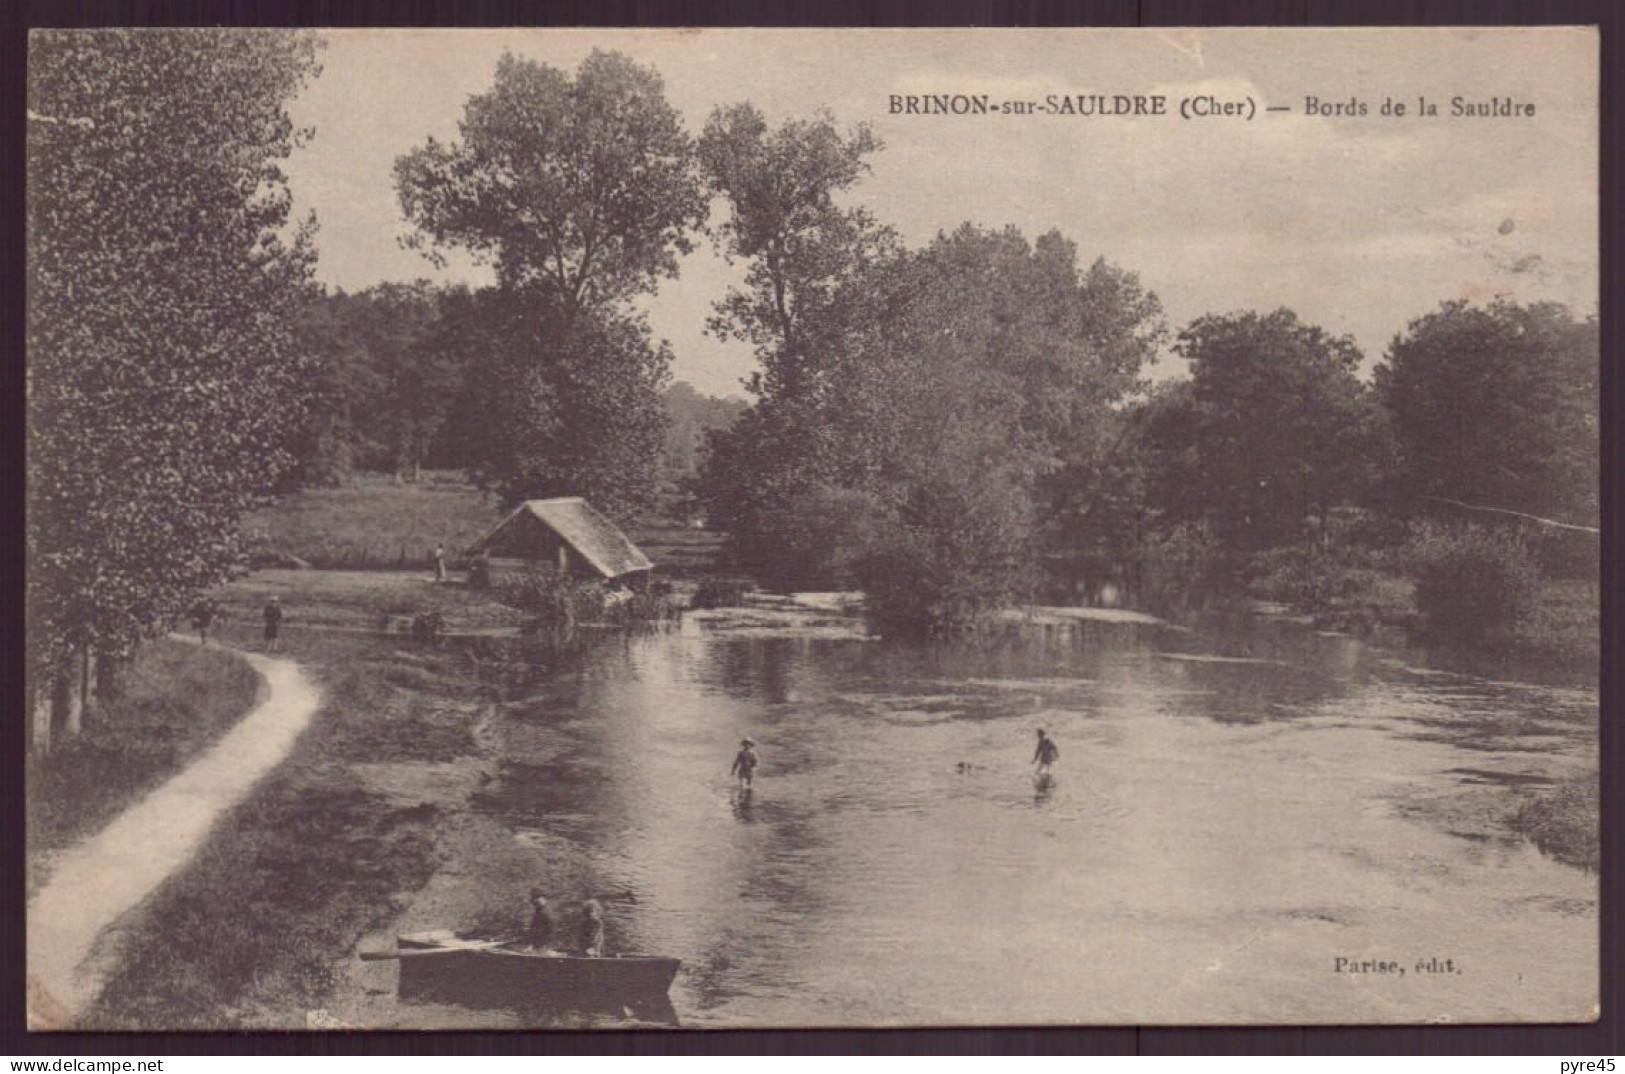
{"points": [[495, 973]]}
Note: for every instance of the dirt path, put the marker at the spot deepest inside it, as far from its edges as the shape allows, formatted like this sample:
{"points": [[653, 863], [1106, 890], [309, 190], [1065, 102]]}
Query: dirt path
{"points": [[98, 881]]}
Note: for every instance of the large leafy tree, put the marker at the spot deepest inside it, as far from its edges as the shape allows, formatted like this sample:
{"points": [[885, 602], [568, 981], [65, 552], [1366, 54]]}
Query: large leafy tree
{"points": [[1283, 428], [985, 404], [1496, 406], [581, 193], [799, 306], [164, 277]]}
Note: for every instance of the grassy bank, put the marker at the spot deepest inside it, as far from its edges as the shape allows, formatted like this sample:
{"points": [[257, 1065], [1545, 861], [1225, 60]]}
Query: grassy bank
{"points": [[372, 523], [248, 934], [1565, 823], [173, 701]]}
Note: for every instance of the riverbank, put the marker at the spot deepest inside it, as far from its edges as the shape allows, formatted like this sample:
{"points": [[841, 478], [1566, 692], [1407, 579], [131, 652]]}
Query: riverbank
{"points": [[247, 935], [173, 701]]}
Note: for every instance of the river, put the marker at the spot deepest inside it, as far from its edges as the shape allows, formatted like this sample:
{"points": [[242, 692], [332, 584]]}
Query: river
{"points": [[1232, 812]]}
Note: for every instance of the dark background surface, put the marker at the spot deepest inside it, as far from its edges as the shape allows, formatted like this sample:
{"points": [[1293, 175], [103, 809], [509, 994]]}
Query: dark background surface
{"points": [[1603, 1038]]}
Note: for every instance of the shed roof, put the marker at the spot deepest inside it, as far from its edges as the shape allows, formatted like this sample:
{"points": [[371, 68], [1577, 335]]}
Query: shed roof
{"points": [[595, 538]]}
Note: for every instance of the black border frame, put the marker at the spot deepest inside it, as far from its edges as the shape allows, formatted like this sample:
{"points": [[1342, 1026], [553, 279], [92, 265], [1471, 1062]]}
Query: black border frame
{"points": [[1582, 1041]]}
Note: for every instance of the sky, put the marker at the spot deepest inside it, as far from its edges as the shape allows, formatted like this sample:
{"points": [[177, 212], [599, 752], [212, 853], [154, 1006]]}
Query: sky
{"points": [[1357, 223]]}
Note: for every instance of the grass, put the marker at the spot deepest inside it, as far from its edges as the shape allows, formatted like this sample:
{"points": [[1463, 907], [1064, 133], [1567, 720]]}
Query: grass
{"points": [[1565, 823], [372, 523], [352, 601], [251, 932], [173, 701]]}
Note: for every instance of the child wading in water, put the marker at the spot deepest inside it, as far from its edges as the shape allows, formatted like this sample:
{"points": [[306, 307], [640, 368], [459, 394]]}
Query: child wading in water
{"points": [[1046, 754], [745, 764]]}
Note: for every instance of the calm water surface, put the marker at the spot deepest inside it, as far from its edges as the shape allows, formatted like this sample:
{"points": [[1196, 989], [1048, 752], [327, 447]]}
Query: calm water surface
{"points": [[1231, 812]]}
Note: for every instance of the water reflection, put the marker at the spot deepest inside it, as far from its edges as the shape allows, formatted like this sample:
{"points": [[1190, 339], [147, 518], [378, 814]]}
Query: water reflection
{"points": [[897, 861]]}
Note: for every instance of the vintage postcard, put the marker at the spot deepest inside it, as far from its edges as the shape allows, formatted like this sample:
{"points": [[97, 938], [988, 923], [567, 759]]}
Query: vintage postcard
{"points": [[733, 528]]}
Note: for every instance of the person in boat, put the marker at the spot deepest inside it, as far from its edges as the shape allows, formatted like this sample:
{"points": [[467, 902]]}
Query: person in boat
{"points": [[543, 922], [1046, 753], [592, 929], [745, 763]]}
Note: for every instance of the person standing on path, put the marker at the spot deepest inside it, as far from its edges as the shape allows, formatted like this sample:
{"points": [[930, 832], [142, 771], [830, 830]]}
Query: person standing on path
{"points": [[744, 765], [439, 563], [1046, 754], [273, 624], [203, 616]]}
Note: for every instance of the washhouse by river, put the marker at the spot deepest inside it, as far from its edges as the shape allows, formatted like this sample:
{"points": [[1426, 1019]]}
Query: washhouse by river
{"points": [[1233, 811]]}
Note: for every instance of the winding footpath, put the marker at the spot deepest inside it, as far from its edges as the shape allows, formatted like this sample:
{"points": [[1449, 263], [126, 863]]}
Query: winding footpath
{"points": [[98, 881]]}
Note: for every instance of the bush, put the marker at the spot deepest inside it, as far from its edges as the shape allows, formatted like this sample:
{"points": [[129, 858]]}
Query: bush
{"points": [[1342, 585], [963, 547], [1473, 585], [554, 597], [642, 608], [1565, 823]]}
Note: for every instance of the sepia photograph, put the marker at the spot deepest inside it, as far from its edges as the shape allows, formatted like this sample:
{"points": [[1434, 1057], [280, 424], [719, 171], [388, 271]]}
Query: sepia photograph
{"points": [[741, 529]]}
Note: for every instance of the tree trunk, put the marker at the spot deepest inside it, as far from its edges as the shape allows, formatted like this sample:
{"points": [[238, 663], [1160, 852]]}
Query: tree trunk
{"points": [[77, 686], [44, 709], [109, 671]]}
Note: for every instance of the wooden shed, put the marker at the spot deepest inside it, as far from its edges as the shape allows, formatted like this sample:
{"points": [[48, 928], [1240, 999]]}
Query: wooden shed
{"points": [[566, 534]]}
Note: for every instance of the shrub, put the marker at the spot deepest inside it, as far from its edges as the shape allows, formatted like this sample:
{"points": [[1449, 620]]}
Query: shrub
{"points": [[554, 597], [1566, 823], [962, 548], [1473, 585]]}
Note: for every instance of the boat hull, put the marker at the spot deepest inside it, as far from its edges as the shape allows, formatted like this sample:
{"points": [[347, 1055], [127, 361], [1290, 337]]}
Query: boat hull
{"points": [[436, 969]]}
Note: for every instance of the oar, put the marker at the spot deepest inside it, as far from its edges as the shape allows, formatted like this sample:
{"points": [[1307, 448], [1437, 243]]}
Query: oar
{"points": [[414, 952]]}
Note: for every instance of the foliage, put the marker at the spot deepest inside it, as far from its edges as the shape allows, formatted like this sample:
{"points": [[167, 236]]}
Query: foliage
{"points": [[963, 547], [1497, 406], [581, 194], [1472, 584], [1566, 822], [555, 406], [1280, 428], [386, 366], [801, 248], [561, 602], [690, 417], [1344, 584], [845, 459], [554, 597], [582, 191], [164, 379], [1180, 567]]}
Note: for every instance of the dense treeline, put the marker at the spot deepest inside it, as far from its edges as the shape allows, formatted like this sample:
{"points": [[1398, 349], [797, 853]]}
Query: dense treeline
{"points": [[965, 424]]}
